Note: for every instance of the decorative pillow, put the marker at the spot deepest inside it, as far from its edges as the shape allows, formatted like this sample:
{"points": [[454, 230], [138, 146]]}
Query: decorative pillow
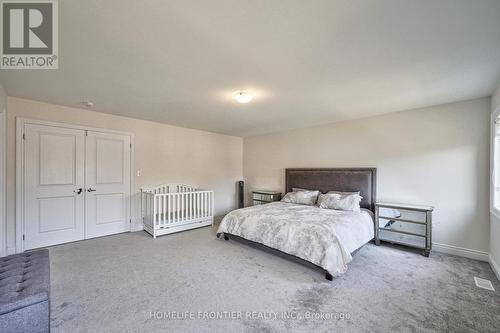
{"points": [[296, 189], [301, 197], [347, 201], [343, 193]]}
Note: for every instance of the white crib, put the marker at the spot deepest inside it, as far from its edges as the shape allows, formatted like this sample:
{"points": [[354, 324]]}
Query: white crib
{"points": [[171, 208]]}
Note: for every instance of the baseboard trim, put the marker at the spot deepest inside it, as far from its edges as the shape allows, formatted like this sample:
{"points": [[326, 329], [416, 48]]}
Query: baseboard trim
{"points": [[461, 251], [495, 267]]}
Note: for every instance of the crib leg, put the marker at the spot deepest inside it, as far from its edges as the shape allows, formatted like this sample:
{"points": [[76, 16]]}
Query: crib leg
{"points": [[328, 276]]}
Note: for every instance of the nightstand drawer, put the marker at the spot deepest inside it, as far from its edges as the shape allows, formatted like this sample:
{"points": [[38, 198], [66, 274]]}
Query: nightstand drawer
{"points": [[403, 214], [263, 197], [404, 224], [404, 227], [397, 238]]}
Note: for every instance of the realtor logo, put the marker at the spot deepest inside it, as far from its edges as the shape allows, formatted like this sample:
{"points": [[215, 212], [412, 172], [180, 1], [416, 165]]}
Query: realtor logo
{"points": [[29, 34]]}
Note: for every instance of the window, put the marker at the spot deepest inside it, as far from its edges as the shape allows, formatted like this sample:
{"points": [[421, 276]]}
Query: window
{"points": [[495, 163]]}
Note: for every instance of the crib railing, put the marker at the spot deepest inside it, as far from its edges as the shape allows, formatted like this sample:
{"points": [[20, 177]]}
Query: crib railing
{"points": [[170, 188], [172, 208], [173, 205]]}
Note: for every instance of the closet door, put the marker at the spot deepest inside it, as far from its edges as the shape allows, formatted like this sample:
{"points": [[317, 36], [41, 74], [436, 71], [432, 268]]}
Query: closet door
{"points": [[107, 184], [53, 185]]}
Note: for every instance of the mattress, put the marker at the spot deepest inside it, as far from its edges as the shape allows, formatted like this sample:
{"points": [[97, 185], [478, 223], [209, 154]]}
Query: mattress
{"points": [[324, 237]]}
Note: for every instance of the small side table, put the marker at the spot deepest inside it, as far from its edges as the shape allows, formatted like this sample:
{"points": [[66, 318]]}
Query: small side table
{"points": [[409, 225], [261, 197]]}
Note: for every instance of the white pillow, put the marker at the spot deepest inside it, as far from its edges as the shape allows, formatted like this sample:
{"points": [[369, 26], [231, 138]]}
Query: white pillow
{"points": [[296, 189], [343, 193], [301, 197], [339, 201]]}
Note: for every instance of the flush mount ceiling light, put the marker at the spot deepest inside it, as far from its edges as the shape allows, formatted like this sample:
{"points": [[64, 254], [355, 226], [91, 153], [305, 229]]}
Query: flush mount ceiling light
{"points": [[243, 97]]}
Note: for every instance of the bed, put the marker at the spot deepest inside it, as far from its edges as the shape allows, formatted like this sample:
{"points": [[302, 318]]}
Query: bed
{"points": [[325, 238]]}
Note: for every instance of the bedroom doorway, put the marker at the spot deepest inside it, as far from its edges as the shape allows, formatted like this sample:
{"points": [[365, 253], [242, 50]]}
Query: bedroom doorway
{"points": [[75, 184]]}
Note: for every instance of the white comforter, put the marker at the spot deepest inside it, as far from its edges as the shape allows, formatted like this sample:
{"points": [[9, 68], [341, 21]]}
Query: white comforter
{"points": [[324, 237]]}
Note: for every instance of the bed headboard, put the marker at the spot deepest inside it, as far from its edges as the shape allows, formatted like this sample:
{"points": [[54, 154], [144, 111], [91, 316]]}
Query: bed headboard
{"points": [[363, 180]]}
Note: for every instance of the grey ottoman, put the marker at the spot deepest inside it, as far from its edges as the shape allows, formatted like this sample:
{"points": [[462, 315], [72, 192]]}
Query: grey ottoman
{"points": [[24, 292]]}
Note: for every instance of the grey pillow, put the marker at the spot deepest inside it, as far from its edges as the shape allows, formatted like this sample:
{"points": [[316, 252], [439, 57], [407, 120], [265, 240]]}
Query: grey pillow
{"points": [[340, 201], [301, 197]]}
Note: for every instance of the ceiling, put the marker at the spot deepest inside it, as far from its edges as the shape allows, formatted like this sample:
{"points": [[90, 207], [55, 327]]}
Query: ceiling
{"points": [[306, 62]]}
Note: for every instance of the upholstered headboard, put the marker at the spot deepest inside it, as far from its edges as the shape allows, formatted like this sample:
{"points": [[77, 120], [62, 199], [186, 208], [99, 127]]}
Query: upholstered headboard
{"points": [[363, 180]]}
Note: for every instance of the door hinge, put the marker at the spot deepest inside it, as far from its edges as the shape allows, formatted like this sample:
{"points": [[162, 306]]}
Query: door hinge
{"points": [[24, 237], [130, 221], [24, 136], [130, 146], [86, 133]]}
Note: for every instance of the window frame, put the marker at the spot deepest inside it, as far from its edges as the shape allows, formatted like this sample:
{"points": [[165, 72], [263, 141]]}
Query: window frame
{"points": [[494, 116]]}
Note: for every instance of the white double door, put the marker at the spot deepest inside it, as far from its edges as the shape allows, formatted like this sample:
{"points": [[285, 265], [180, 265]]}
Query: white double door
{"points": [[76, 185]]}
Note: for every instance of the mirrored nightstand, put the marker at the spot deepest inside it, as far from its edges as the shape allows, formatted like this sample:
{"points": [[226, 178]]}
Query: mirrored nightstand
{"points": [[409, 225], [261, 197]]}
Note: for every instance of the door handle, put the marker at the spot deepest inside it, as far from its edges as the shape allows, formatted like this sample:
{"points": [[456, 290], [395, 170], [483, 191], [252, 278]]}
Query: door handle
{"points": [[78, 191], [91, 189]]}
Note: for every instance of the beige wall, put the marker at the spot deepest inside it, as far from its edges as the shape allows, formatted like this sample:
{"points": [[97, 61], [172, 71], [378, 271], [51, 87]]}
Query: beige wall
{"points": [[3, 105], [163, 153], [3, 98], [437, 156], [495, 222]]}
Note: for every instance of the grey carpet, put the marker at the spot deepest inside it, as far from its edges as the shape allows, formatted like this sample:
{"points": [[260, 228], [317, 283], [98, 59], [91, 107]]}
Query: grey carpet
{"points": [[113, 284]]}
